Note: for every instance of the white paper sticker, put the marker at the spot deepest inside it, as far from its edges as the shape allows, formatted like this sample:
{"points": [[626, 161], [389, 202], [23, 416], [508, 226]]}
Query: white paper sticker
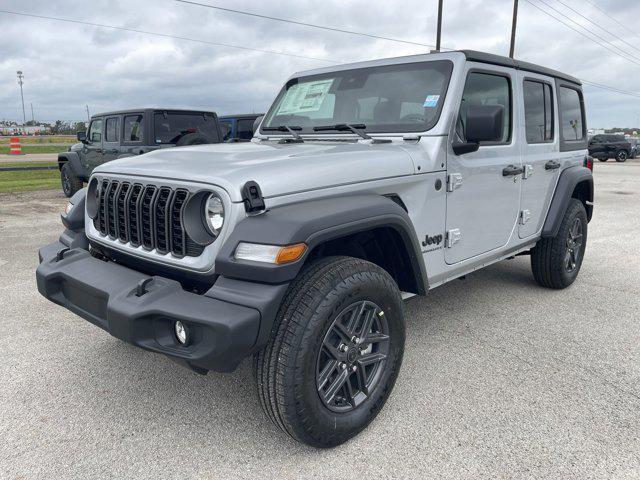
{"points": [[304, 97], [431, 101]]}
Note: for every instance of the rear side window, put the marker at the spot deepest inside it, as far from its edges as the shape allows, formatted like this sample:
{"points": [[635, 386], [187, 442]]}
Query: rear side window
{"points": [[486, 89], [171, 127], [538, 111], [133, 128], [572, 115], [111, 130], [245, 129]]}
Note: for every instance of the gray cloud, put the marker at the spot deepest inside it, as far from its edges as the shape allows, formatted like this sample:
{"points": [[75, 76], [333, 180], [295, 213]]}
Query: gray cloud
{"points": [[67, 66]]}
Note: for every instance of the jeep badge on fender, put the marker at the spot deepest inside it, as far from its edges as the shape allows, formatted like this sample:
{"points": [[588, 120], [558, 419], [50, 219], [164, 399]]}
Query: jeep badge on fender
{"points": [[297, 248]]}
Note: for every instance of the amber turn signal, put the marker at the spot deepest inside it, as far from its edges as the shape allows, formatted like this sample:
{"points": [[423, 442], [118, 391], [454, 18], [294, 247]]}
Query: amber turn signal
{"points": [[290, 253]]}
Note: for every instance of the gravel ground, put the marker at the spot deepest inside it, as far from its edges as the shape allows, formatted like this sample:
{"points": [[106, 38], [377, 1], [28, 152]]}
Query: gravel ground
{"points": [[501, 378]]}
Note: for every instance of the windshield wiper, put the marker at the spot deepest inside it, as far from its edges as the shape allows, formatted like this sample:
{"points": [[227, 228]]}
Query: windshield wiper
{"points": [[287, 128], [345, 127]]}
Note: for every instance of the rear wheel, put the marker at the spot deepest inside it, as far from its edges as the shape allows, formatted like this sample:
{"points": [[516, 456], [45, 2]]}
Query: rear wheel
{"points": [[70, 181], [622, 156], [603, 159], [334, 353], [556, 261]]}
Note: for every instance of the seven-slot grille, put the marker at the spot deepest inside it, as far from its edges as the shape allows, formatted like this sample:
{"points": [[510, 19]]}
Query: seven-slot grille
{"points": [[145, 215]]}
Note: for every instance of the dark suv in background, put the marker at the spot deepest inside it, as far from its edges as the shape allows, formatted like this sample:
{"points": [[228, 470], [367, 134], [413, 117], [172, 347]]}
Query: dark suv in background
{"points": [[606, 146], [239, 128], [126, 133]]}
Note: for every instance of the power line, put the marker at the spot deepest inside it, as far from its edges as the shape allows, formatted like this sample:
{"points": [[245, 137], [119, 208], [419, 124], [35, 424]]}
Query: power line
{"points": [[592, 33], [166, 35], [304, 24], [612, 18], [581, 33], [596, 25], [613, 89]]}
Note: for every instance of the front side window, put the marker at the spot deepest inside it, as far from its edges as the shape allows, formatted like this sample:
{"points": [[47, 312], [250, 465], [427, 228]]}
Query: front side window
{"points": [[571, 113], [171, 127], [245, 129], [111, 130], [392, 98], [486, 89], [95, 131], [538, 111], [133, 125], [225, 128]]}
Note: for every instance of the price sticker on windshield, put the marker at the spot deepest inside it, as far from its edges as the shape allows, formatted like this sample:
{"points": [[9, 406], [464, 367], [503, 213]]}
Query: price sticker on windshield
{"points": [[304, 97], [431, 101]]}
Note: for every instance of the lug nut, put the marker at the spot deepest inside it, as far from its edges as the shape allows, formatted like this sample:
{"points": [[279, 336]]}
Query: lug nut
{"points": [[353, 368], [343, 347], [343, 366]]}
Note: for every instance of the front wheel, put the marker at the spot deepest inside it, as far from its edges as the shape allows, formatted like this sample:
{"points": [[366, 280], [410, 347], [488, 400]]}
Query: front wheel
{"points": [[69, 180], [556, 261], [334, 353], [622, 156], [603, 159]]}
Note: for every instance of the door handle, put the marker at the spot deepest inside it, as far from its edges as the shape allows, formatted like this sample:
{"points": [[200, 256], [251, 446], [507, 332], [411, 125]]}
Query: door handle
{"points": [[512, 170], [551, 165]]}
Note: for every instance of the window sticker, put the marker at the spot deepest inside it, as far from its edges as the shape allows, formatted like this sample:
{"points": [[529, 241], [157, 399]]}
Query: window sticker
{"points": [[304, 97], [431, 101]]}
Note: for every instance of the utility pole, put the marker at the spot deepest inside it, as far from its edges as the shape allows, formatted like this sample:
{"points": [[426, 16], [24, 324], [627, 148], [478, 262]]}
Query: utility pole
{"points": [[513, 28], [33, 117], [439, 29], [24, 115], [88, 116]]}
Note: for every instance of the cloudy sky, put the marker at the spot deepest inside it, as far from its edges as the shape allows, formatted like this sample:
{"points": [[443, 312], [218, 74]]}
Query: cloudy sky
{"points": [[67, 65]]}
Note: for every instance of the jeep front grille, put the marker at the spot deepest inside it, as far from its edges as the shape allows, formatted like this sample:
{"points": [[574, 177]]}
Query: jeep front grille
{"points": [[145, 215]]}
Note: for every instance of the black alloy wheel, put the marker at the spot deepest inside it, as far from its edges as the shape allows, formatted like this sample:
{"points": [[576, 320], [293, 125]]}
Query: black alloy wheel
{"points": [[352, 357]]}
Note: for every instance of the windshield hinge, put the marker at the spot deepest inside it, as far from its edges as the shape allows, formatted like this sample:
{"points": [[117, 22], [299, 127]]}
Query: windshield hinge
{"points": [[252, 197]]}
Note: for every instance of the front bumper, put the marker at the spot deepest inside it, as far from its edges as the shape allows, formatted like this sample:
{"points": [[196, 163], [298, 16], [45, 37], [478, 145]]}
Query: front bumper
{"points": [[105, 293]]}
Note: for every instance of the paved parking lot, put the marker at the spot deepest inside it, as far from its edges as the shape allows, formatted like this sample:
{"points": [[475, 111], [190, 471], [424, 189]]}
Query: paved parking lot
{"points": [[501, 378]]}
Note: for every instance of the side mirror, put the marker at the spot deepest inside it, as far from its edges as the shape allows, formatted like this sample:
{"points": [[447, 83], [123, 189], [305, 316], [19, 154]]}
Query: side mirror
{"points": [[484, 123], [81, 136]]}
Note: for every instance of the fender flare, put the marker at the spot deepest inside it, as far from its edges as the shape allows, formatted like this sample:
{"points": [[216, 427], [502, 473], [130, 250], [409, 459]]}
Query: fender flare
{"points": [[567, 183], [73, 159], [315, 222]]}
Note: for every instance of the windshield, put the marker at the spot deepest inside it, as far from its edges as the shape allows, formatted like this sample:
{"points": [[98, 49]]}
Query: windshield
{"points": [[386, 99], [171, 127]]}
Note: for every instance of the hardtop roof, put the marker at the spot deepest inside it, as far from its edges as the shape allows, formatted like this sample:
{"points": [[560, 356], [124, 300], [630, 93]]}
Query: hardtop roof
{"points": [[150, 109]]}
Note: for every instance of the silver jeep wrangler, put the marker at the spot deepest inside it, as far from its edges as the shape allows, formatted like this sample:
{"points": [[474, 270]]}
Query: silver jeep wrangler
{"points": [[365, 184]]}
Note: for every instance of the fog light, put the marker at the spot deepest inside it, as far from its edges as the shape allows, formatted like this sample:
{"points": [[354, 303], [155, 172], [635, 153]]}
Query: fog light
{"points": [[181, 332]]}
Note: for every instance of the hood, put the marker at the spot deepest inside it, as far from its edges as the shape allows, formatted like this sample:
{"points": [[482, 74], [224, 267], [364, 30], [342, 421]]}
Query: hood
{"points": [[279, 169]]}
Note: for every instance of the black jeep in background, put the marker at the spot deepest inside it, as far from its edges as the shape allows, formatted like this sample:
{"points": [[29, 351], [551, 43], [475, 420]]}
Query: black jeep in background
{"points": [[606, 146], [126, 133]]}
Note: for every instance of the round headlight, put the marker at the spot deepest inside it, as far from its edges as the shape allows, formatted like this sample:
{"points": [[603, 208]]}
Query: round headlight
{"points": [[214, 214]]}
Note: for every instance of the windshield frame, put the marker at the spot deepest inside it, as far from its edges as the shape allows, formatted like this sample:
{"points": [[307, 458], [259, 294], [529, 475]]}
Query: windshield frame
{"points": [[446, 65]]}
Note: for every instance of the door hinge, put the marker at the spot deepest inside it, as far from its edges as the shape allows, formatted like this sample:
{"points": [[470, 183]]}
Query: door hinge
{"points": [[528, 171], [525, 216], [453, 237], [454, 180]]}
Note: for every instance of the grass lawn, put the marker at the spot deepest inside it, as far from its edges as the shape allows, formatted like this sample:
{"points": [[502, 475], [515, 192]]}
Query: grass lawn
{"points": [[4, 149], [27, 140], [22, 181]]}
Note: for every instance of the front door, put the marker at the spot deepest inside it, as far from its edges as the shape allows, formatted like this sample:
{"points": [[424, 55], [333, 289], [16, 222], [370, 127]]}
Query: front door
{"points": [[92, 150], [540, 151], [483, 187]]}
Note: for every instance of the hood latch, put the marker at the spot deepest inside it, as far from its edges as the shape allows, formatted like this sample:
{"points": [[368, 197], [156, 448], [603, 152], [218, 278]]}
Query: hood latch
{"points": [[252, 197]]}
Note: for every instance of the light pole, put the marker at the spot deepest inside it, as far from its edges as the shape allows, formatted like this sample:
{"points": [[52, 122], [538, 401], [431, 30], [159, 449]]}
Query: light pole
{"points": [[24, 115]]}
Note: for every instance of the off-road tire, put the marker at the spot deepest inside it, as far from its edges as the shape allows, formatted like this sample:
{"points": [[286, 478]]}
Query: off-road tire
{"points": [[603, 159], [69, 180], [548, 257], [621, 156], [286, 368]]}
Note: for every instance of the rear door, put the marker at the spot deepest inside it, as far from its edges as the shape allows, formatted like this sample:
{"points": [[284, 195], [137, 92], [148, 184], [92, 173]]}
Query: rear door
{"points": [[540, 150], [111, 143], [482, 201]]}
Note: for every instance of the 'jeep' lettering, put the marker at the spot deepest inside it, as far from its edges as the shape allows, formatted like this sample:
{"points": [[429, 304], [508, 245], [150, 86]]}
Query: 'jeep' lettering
{"points": [[435, 240]]}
